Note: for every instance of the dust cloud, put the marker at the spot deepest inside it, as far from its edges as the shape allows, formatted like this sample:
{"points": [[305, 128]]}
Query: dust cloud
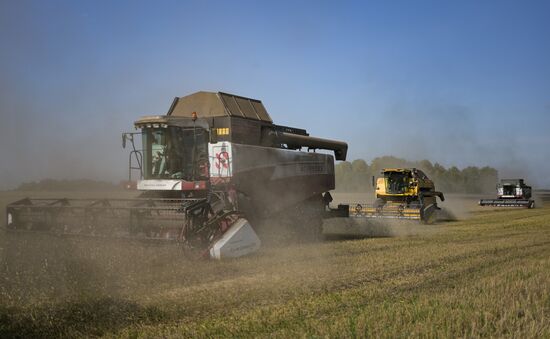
{"points": [[456, 135], [455, 207]]}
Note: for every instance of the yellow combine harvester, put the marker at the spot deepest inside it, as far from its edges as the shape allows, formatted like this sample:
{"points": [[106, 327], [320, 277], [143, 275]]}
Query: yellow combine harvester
{"points": [[402, 193]]}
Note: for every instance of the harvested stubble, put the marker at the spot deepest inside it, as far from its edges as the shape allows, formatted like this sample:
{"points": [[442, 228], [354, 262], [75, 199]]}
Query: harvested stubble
{"points": [[485, 276]]}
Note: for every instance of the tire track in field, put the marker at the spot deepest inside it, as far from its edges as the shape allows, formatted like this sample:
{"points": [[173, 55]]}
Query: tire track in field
{"points": [[315, 307], [349, 285]]}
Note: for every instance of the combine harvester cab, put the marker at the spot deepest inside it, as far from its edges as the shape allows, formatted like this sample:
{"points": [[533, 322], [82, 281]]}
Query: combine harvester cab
{"points": [[511, 193], [401, 193], [211, 165]]}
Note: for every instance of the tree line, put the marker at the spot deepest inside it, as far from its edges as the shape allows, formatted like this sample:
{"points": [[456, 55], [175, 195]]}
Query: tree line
{"points": [[356, 176]]}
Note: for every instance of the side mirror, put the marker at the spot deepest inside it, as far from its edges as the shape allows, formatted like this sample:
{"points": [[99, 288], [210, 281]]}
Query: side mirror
{"points": [[123, 140], [373, 181]]}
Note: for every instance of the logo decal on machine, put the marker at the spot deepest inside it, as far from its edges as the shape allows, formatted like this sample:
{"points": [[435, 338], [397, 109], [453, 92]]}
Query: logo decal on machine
{"points": [[220, 156], [222, 160]]}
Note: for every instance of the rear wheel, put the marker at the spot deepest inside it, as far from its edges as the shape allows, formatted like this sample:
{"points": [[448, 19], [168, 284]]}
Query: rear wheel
{"points": [[300, 223], [428, 215], [308, 223]]}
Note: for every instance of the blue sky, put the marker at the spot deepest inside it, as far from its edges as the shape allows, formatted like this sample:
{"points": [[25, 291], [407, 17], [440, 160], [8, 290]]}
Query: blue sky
{"points": [[460, 83]]}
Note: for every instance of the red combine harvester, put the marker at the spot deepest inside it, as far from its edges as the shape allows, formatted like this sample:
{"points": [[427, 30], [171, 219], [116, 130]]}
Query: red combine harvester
{"points": [[209, 169]]}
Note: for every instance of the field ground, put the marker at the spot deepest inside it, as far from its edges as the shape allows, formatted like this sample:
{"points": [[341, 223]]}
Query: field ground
{"points": [[485, 275]]}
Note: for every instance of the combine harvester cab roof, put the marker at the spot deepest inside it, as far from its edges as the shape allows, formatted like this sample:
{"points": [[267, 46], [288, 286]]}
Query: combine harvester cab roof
{"points": [[219, 104], [204, 106]]}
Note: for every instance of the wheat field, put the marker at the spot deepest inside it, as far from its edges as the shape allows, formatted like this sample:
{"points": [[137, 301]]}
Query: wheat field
{"points": [[485, 275]]}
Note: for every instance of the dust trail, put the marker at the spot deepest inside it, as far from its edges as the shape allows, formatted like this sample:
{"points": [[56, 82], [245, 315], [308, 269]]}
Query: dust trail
{"points": [[455, 207], [459, 206], [541, 197], [359, 228]]}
